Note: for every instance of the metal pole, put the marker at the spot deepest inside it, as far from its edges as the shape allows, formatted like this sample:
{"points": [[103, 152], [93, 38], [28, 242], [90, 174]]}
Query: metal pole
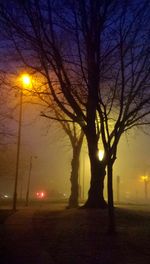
{"points": [[145, 187], [83, 176], [28, 183], [118, 189], [21, 187], [79, 181], [18, 154]]}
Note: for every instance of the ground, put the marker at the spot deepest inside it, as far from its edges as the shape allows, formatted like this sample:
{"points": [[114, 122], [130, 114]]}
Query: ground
{"points": [[4, 214], [55, 235]]}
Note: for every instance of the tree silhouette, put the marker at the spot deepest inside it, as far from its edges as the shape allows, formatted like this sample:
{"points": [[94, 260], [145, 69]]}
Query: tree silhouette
{"points": [[76, 136], [124, 96], [94, 57], [61, 41]]}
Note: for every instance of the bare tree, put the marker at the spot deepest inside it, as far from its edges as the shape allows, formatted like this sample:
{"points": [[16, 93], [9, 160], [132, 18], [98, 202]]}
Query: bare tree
{"points": [[124, 96], [95, 60], [6, 132], [61, 40], [76, 136], [40, 95]]}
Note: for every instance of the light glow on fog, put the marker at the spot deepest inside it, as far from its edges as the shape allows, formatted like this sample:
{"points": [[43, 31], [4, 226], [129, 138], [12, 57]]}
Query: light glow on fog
{"points": [[40, 195]]}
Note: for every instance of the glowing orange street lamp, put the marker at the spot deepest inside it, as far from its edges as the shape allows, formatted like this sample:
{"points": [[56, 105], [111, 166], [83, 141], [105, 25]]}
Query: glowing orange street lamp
{"points": [[26, 82], [26, 79]]}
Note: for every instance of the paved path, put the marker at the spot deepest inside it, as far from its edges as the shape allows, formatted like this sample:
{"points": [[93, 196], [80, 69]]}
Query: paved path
{"points": [[23, 247]]}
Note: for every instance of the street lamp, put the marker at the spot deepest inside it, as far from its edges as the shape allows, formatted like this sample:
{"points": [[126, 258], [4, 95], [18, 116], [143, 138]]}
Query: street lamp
{"points": [[101, 154], [26, 82]]}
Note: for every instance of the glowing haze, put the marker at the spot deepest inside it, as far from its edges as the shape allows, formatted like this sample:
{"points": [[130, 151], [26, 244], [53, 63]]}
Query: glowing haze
{"points": [[51, 151]]}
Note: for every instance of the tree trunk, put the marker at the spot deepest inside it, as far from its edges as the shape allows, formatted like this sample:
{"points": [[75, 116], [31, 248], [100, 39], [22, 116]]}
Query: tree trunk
{"points": [[73, 199], [95, 194], [74, 196], [111, 213]]}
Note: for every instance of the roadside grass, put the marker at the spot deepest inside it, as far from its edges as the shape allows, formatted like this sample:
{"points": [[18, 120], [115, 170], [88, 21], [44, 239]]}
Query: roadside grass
{"points": [[80, 236], [134, 231], [4, 214]]}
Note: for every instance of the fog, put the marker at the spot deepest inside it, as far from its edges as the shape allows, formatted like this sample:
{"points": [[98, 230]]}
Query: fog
{"points": [[51, 154], [132, 163]]}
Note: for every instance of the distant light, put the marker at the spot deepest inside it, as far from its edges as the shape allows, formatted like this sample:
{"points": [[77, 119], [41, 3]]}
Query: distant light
{"points": [[40, 195], [6, 196], [101, 154], [144, 178]]}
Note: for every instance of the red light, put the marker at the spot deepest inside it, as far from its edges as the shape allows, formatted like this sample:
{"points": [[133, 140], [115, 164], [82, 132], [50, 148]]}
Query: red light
{"points": [[40, 195]]}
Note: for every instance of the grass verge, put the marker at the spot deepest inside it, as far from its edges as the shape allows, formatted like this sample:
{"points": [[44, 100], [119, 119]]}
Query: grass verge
{"points": [[80, 236]]}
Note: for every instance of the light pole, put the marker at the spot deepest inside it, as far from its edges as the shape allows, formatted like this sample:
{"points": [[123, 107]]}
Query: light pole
{"points": [[145, 180], [28, 183], [83, 179], [118, 189], [26, 81]]}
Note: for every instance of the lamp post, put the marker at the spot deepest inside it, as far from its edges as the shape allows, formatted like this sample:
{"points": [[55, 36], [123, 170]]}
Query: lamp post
{"points": [[26, 81], [29, 180], [83, 179], [118, 189], [145, 180]]}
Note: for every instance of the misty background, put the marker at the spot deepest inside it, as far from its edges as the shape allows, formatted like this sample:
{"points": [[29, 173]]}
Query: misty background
{"points": [[46, 142]]}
